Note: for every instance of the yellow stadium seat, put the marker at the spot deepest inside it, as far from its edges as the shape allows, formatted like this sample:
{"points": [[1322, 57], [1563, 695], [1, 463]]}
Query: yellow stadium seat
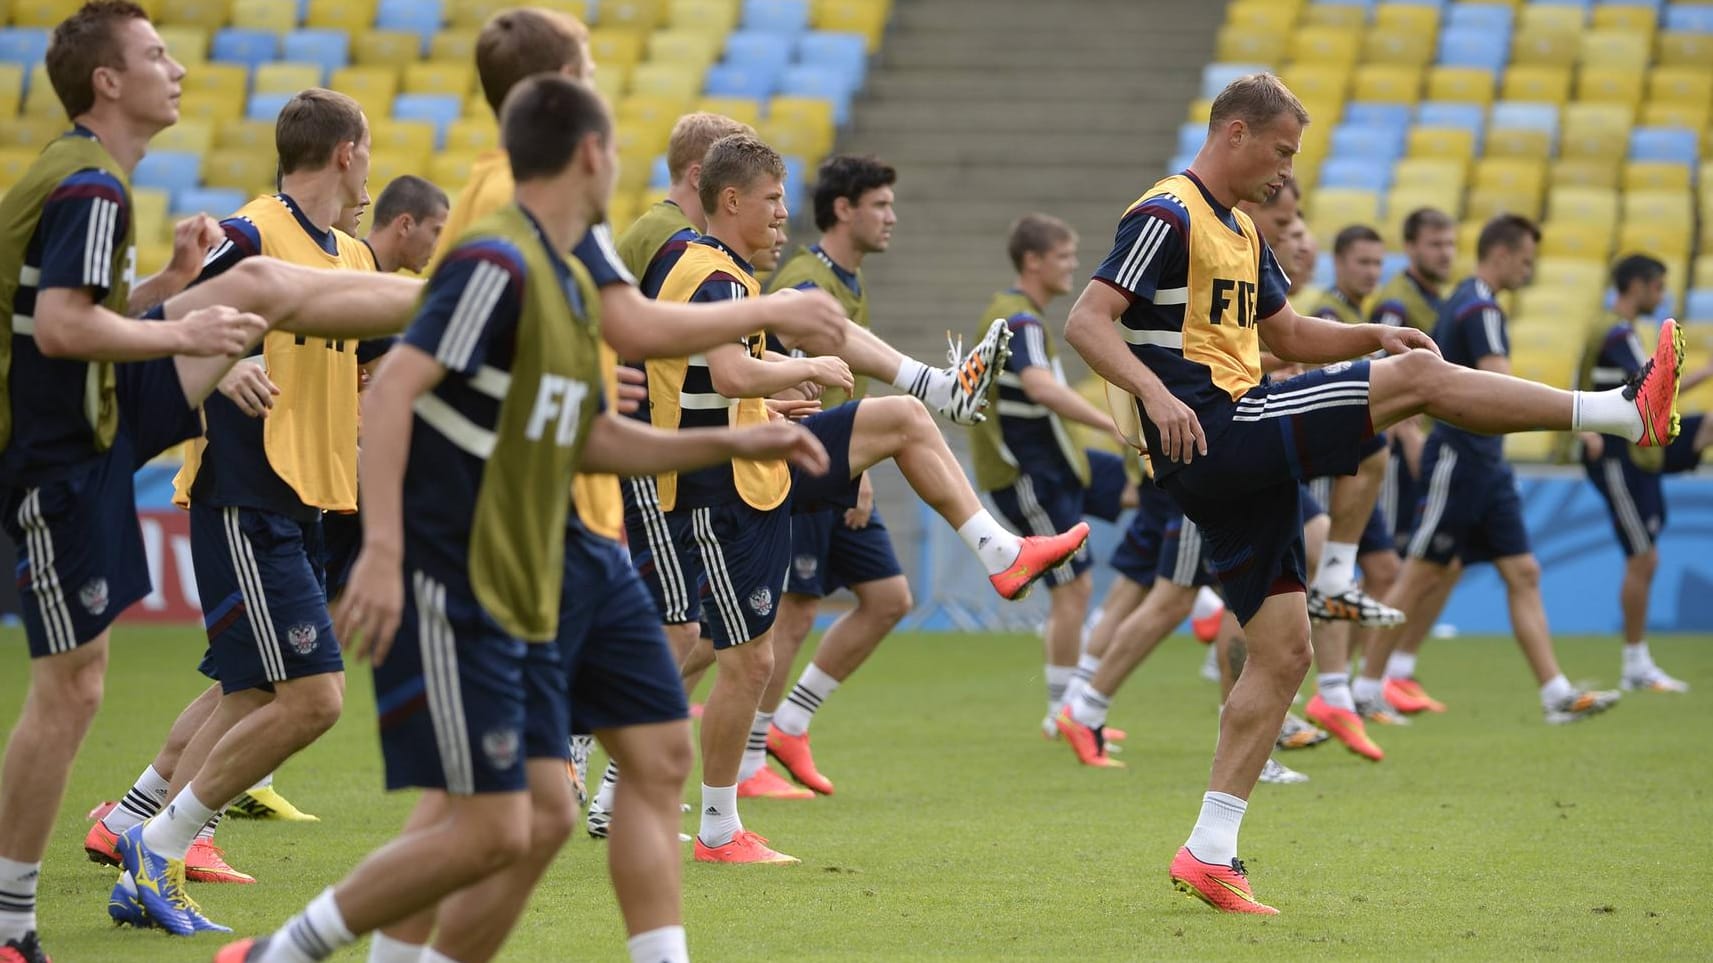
{"points": [[1420, 19], [613, 82], [1575, 273], [864, 17], [1540, 83], [1326, 45], [14, 162], [1609, 85], [386, 168], [1389, 83], [187, 44], [1585, 172], [1277, 17], [643, 110], [244, 134], [216, 78], [1546, 46], [707, 16], [42, 13], [385, 48], [1246, 44], [347, 15], [1317, 81], [187, 136], [1201, 110], [451, 167], [1468, 233], [1534, 446], [1656, 176], [1681, 85], [1343, 16], [215, 106], [1485, 203], [670, 81], [1586, 205], [472, 133], [1446, 143], [1331, 209], [30, 133], [264, 15], [636, 163], [1659, 206], [207, 14], [1704, 271], [1665, 114], [1326, 112], [611, 46], [456, 80], [1471, 85], [458, 46], [406, 136], [741, 109], [11, 89], [688, 48], [286, 78], [804, 121], [1573, 239], [1519, 175], [1527, 142], [1616, 48], [1636, 19], [622, 211], [1430, 172], [371, 86], [471, 14], [250, 171], [1563, 18], [636, 14], [1400, 201], [1665, 241], [41, 101], [149, 209], [1679, 48], [1399, 45], [1593, 130]]}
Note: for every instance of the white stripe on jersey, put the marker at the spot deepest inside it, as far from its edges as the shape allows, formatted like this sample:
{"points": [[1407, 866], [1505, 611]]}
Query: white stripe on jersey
{"points": [[218, 253], [23, 325], [1189, 555], [1161, 339], [719, 577], [29, 277], [1037, 341], [703, 401], [667, 570], [470, 437], [1624, 507], [98, 242], [491, 381], [1294, 393], [1635, 345], [603, 235], [1167, 297], [1143, 254], [1495, 324], [1022, 409], [475, 307]]}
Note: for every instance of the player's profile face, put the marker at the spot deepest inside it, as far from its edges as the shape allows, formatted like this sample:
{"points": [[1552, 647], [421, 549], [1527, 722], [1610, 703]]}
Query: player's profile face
{"points": [[1653, 293], [1433, 253], [418, 247], [1359, 268], [149, 83], [356, 176], [761, 213], [1060, 266], [1266, 158], [872, 219]]}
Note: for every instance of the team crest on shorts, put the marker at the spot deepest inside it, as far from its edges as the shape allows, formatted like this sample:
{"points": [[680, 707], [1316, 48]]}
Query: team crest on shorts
{"points": [[761, 601], [1443, 542], [302, 638], [805, 565], [501, 747], [93, 595]]}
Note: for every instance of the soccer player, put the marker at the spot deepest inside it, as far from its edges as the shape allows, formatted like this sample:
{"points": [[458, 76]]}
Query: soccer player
{"points": [[1628, 478], [733, 522], [409, 217], [1025, 458], [1231, 450], [466, 511]]}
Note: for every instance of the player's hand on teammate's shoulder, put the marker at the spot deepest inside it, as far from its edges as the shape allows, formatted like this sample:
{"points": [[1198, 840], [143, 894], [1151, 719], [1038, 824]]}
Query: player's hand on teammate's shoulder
{"points": [[1181, 437], [1399, 340], [369, 609], [633, 389], [192, 239], [831, 373], [781, 439], [811, 320], [220, 330], [248, 387]]}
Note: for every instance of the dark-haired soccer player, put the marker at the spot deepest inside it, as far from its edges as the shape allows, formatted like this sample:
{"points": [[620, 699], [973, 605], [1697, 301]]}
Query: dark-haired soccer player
{"points": [[1232, 451], [1628, 477]]}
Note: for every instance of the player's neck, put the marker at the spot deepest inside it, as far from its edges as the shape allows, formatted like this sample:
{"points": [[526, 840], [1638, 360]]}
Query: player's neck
{"points": [[123, 140], [1421, 278], [316, 194], [685, 197], [1035, 291], [843, 252], [1489, 277], [732, 238], [1626, 312], [1346, 294], [559, 211]]}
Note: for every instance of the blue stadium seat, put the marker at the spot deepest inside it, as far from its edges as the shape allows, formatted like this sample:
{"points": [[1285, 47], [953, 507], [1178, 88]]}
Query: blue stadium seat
{"points": [[266, 107], [660, 175], [760, 52], [789, 17], [846, 53], [1672, 144], [329, 48], [1368, 144], [1584, 4], [1190, 137], [167, 170], [1474, 47], [1653, 4], [1215, 77], [1392, 264], [1377, 115], [213, 201], [1520, 113], [1179, 162], [1358, 172], [1698, 306], [806, 81], [1443, 113], [1323, 274], [236, 45], [421, 17], [1692, 17], [23, 45], [733, 80], [438, 109], [796, 185], [1491, 17]]}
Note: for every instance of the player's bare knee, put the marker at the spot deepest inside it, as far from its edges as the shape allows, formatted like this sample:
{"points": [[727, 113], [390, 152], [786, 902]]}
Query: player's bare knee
{"points": [[754, 665], [663, 768], [313, 703], [73, 688], [889, 601], [1522, 574], [552, 820], [1643, 564]]}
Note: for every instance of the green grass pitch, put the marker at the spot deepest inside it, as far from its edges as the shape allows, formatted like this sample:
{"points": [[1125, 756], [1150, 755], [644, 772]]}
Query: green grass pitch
{"points": [[957, 832]]}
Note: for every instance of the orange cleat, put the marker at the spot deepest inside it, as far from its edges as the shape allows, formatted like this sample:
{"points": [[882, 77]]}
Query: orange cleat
{"points": [[696, 709], [206, 863], [243, 951], [1345, 726], [1114, 734], [1408, 696], [1655, 390], [767, 784], [1088, 743], [1038, 555], [745, 847], [793, 753], [102, 844], [101, 811], [1225, 888]]}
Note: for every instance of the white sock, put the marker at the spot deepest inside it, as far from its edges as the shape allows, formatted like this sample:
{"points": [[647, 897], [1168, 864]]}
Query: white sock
{"points": [[1208, 603], [918, 379], [1058, 678], [1401, 665], [1556, 690], [208, 828], [314, 934], [804, 700], [609, 787], [720, 820], [1089, 707], [1607, 412], [1365, 689], [989, 540], [17, 897], [1637, 658], [1214, 840], [267, 781], [1334, 687], [385, 949], [432, 955], [755, 752], [1087, 665], [663, 945], [1337, 568], [145, 798], [171, 832]]}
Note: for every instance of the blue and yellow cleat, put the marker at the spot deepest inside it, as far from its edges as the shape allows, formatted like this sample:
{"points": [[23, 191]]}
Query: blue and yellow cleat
{"points": [[160, 886], [123, 907]]}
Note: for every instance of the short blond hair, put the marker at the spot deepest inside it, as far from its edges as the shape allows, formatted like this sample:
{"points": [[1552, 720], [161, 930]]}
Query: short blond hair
{"points": [[1257, 100], [737, 160], [693, 135]]}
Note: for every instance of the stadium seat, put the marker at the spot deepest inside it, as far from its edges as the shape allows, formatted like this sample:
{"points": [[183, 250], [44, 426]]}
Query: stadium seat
{"points": [[149, 210], [828, 85], [636, 14], [801, 126], [1681, 85], [1326, 45], [285, 78], [385, 48], [616, 47], [864, 17], [725, 80], [265, 106], [1421, 19], [418, 136], [1277, 17], [241, 46], [1585, 172], [1698, 306], [1243, 43], [1216, 76], [470, 134], [30, 133], [1389, 83], [451, 167], [1482, 204], [705, 16], [421, 17], [693, 49], [1380, 145], [1568, 17], [1447, 143], [1702, 274], [23, 45], [1439, 113], [1364, 113], [39, 97], [1665, 241], [1588, 130], [1657, 175], [1536, 82], [1583, 205], [1685, 48], [458, 47], [1549, 46], [1357, 172], [1472, 47], [254, 134], [343, 16], [448, 79], [1493, 17], [842, 52], [1400, 201], [1345, 15], [11, 88], [40, 13], [1664, 144], [14, 163], [1472, 85], [787, 17], [760, 53], [740, 109], [215, 202], [1317, 82], [329, 48], [373, 87], [208, 14], [645, 111], [226, 79], [471, 14], [187, 44], [1659, 206], [1398, 45], [271, 16], [437, 109], [1332, 209], [1430, 172], [1621, 49], [1612, 85], [215, 106], [249, 171], [168, 171]]}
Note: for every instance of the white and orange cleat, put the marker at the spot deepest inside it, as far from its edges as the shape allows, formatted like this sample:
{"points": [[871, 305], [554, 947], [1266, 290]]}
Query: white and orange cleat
{"points": [[767, 784], [745, 847], [1225, 888], [1038, 555]]}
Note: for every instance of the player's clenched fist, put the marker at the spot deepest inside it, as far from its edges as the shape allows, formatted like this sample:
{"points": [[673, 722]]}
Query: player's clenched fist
{"points": [[219, 330], [781, 439], [811, 320], [192, 239]]}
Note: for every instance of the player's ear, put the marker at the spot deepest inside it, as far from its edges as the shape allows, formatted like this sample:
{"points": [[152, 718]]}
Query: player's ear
{"points": [[693, 174], [842, 208]]}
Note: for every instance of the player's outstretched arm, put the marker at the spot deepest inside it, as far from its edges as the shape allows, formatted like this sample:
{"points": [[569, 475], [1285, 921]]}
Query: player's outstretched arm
{"points": [[624, 446], [69, 324], [316, 303], [192, 239], [637, 327], [1044, 389], [737, 375], [1092, 329], [1310, 340]]}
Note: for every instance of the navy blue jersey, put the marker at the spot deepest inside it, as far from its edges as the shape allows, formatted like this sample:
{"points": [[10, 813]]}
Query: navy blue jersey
{"points": [[713, 485], [1149, 265], [601, 258], [1026, 425], [72, 247], [664, 260], [1471, 327]]}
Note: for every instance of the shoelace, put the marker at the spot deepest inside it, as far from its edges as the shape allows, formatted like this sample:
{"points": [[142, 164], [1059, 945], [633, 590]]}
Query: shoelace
{"points": [[954, 350], [1237, 867], [178, 893], [1633, 386]]}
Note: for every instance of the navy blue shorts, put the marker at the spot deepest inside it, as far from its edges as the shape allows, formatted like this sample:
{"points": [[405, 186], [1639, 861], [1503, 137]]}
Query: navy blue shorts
{"points": [[1183, 558], [1254, 543], [1469, 509], [81, 560], [837, 489], [1137, 556], [342, 539], [462, 702], [827, 555], [742, 554], [1376, 534], [1047, 503], [1397, 501], [1634, 496], [619, 670], [663, 553], [264, 603]]}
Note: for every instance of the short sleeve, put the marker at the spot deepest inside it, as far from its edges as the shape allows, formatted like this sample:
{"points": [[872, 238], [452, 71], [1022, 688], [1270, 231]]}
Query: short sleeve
{"points": [[1028, 342], [1275, 285], [1389, 313], [1484, 332], [1148, 246], [369, 349], [242, 240], [82, 219], [601, 257], [475, 293]]}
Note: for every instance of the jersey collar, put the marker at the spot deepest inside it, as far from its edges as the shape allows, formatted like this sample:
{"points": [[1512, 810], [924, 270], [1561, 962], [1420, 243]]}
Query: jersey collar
{"points": [[719, 245]]}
